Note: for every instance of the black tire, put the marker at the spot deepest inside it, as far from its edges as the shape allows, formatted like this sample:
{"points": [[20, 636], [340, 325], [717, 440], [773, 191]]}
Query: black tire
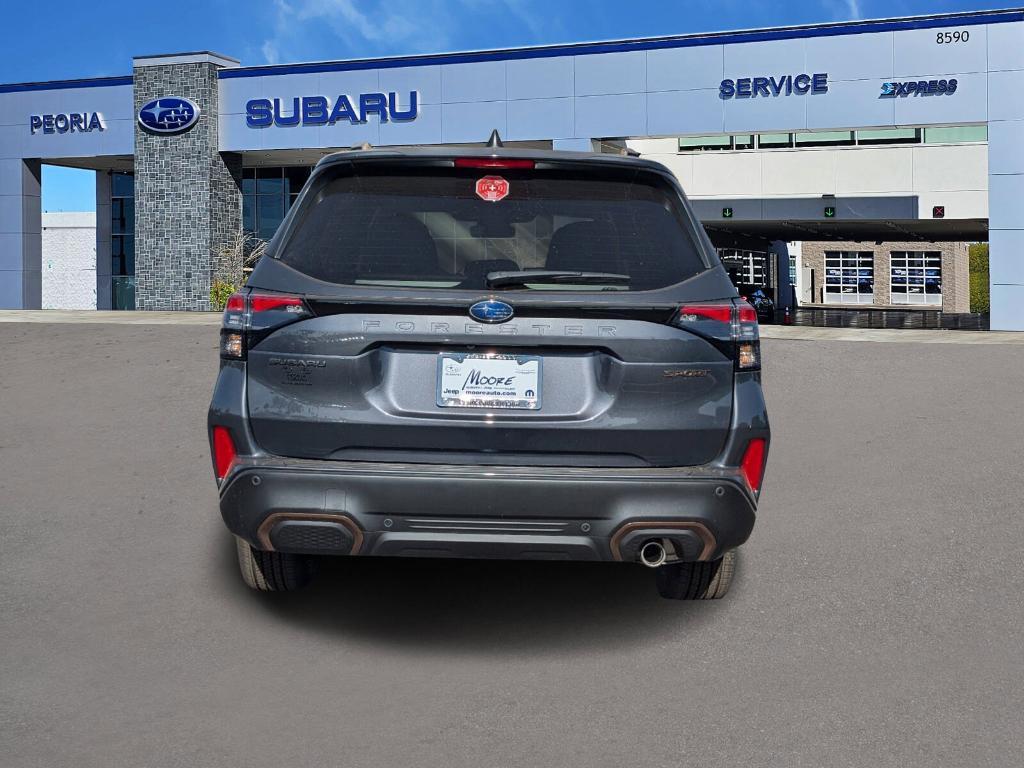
{"points": [[273, 571], [697, 581]]}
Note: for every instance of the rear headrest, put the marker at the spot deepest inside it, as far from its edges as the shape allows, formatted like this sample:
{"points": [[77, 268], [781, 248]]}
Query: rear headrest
{"points": [[585, 246], [397, 244]]}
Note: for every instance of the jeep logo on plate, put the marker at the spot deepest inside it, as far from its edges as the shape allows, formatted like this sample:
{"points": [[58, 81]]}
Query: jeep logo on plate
{"points": [[491, 311], [170, 114]]}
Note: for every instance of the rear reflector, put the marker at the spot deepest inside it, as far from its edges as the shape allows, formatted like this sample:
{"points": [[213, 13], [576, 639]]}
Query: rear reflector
{"points": [[492, 162], [752, 465], [224, 453]]}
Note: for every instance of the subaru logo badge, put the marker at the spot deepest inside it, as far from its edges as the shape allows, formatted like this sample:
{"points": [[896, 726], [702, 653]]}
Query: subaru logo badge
{"points": [[491, 311], [169, 114]]}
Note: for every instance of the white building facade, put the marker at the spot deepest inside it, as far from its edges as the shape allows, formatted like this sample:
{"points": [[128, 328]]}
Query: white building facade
{"points": [[892, 130]]}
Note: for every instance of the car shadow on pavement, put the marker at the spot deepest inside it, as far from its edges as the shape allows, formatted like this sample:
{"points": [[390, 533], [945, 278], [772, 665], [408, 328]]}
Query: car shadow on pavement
{"points": [[485, 606]]}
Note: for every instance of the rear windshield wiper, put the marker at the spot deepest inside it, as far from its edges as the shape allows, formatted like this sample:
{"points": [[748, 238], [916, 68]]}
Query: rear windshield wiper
{"points": [[525, 276]]}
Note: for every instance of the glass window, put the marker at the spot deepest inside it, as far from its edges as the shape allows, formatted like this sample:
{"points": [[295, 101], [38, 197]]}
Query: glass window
{"points": [[890, 136], [824, 139], [267, 194], [249, 213], [704, 143], [767, 140], [122, 240], [122, 215], [747, 269], [122, 289], [122, 185], [916, 277], [849, 277], [963, 133], [743, 141], [428, 228], [248, 181], [269, 181], [294, 179], [269, 215]]}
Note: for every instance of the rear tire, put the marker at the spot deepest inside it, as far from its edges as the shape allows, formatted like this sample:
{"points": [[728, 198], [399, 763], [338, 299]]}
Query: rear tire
{"points": [[697, 581], [273, 571]]}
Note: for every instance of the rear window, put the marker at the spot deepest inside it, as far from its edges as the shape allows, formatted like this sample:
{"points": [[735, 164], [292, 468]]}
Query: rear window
{"points": [[430, 228]]}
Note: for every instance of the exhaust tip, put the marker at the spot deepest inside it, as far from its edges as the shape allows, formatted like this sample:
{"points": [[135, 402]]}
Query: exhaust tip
{"points": [[652, 553]]}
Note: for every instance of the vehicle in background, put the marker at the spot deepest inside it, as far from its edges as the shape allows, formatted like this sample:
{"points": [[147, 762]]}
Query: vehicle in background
{"points": [[760, 299]]}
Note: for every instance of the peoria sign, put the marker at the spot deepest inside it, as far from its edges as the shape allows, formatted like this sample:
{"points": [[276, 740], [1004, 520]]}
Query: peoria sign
{"points": [[321, 110], [66, 122]]}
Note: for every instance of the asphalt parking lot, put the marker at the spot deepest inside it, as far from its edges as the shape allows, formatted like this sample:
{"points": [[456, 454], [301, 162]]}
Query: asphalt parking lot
{"points": [[877, 619]]}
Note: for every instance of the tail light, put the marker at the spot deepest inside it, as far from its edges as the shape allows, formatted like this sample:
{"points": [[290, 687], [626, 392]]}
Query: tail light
{"points": [[250, 317], [224, 452], [752, 465], [730, 326]]}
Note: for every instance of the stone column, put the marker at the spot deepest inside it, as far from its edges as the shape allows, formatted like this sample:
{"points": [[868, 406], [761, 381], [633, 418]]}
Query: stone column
{"points": [[188, 200]]}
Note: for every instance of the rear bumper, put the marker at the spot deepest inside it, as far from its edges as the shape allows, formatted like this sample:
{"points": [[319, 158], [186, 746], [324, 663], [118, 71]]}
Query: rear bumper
{"points": [[363, 508]]}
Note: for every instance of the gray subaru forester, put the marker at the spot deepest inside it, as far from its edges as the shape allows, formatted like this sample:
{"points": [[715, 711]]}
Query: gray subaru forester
{"points": [[490, 353]]}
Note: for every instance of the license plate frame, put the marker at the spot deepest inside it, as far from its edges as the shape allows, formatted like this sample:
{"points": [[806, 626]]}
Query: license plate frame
{"points": [[491, 364]]}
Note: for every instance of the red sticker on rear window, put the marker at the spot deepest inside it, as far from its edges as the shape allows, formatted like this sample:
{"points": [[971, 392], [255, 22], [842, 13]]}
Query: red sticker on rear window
{"points": [[492, 188]]}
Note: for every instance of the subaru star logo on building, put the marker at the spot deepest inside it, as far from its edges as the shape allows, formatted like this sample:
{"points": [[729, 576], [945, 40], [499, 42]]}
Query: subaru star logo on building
{"points": [[491, 311], [169, 114]]}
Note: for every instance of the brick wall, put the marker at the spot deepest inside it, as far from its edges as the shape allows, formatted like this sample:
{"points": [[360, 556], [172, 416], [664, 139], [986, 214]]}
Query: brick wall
{"points": [[955, 281], [69, 261]]}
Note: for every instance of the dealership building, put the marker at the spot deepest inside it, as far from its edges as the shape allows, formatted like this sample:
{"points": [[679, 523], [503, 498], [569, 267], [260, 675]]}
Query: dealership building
{"points": [[838, 165]]}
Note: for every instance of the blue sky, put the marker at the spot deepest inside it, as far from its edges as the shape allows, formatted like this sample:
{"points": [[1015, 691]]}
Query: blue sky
{"points": [[90, 40]]}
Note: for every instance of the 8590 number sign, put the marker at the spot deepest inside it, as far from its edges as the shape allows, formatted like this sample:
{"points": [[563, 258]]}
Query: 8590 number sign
{"points": [[959, 36]]}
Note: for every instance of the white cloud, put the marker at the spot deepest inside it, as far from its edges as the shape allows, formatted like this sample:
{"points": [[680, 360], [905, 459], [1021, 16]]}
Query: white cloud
{"points": [[302, 29], [853, 9], [269, 51]]}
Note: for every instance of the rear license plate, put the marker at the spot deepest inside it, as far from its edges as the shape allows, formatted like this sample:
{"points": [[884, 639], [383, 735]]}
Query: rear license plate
{"points": [[488, 381]]}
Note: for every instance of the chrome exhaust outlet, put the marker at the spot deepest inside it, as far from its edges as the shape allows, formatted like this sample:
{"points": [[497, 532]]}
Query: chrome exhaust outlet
{"points": [[652, 553]]}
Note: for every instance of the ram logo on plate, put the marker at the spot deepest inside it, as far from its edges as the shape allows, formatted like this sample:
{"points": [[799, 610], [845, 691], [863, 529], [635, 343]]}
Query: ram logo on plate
{"points": [[491, 311], [170, 114]]}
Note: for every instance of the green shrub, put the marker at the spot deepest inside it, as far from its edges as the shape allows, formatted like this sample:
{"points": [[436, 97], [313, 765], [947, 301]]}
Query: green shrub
{"points": [[978, 265], [220, 292]]}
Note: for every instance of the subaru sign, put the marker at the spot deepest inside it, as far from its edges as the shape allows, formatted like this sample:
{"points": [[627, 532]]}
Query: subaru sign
{"points": [[320, 110], [918, 88], [783, 85], [168, 114], [491, 311]]}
